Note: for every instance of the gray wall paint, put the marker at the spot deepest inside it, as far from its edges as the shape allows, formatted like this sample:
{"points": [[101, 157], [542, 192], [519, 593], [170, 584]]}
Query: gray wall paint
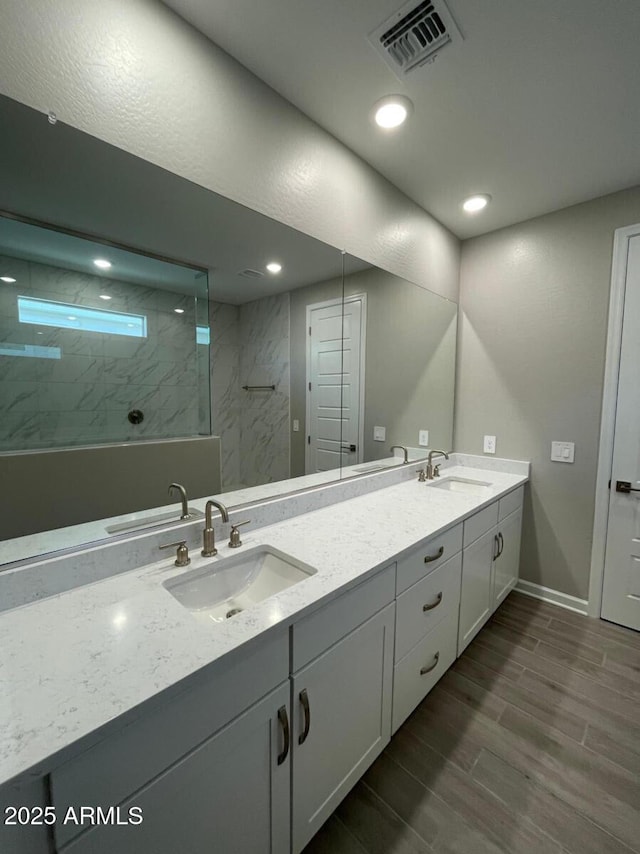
{"points": [[53, 489], [532, 336], [159, 89]]}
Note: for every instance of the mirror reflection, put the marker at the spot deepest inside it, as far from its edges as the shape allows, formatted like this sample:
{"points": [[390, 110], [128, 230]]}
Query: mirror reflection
{"points": [[276, 384]]}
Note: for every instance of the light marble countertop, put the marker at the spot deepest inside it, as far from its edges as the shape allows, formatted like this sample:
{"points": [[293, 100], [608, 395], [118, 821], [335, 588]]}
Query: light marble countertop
{"points": [[74, 662]]}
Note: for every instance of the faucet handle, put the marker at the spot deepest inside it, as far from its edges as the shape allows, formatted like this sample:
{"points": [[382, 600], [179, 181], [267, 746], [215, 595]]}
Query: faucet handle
{"points": [[182, 553], [234, 537], [422, 475]]}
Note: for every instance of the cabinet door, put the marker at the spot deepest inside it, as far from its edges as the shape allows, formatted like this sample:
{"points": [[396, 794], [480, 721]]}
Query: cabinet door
{"points": [[476, 592], [229, 794], [507, 566], [342, 720]]}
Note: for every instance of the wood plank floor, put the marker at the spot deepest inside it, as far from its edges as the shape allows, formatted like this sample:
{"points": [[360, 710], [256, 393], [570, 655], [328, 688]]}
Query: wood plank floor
{"points": [[530, 743]]}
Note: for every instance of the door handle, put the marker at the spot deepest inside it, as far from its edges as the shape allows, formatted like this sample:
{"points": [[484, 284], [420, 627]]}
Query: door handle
{"points": [[433, 604], [351, 448], [625, 486], [425, 670], [501, 538], [496, 547], [284, 723], [304, 700]]}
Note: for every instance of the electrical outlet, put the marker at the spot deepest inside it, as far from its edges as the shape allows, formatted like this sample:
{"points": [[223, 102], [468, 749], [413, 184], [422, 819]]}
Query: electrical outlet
{"points": [[423, 438], [379, 434], [296, 425], [489, 445]]}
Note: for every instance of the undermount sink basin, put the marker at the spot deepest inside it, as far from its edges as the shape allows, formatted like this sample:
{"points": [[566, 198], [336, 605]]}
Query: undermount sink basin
{"points": [[463, 484], [226, 587]]}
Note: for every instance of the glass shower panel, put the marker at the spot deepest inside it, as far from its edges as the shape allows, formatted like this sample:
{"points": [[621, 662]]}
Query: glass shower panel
{"points": [[97, 353]]}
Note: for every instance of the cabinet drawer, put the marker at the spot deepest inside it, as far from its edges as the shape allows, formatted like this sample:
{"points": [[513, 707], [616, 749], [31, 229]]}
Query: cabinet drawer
{"points": [[326, 626], [511, 502], [478, 524], [422, 606], [431, 554], [433, 655], [107, 773]]}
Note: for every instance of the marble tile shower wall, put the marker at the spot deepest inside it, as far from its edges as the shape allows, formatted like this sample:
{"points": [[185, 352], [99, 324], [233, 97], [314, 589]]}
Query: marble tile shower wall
{"points": [[264, 415], [84, 396], [250, 346]]}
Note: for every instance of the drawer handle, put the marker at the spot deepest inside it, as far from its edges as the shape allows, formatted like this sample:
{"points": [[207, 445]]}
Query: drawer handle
{"points": [[284, 723], [304, 699], [433, 604], [437, 555], [425, 670]]}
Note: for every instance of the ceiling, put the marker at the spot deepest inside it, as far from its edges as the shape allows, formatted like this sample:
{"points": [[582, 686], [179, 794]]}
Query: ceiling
{"points": [[537, 105]]}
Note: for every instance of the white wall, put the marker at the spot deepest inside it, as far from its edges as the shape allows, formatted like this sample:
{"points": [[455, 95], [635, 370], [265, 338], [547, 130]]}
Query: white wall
{"points": [[133, 73], [531, 348]]}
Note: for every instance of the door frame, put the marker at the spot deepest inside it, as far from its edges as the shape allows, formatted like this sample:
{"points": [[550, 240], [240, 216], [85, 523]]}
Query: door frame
{"points": [[363, 349], [621, 239]]}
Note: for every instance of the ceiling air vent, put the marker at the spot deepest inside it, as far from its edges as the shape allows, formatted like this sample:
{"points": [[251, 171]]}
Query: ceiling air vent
{"points": [[251, 274], [414, 35]]}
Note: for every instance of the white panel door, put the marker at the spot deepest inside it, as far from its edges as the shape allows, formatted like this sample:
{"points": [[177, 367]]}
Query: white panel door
{"points": [[352, 381], [324, 378], [621, 590], [476, 591], [506, 567]]}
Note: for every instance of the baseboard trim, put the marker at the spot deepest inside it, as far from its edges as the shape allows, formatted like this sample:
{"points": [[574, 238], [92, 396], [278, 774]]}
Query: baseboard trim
{"points": [[555, 597]]}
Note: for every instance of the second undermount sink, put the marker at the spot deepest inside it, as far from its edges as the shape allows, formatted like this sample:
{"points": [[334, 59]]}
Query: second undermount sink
{"points": [[463, 484], [226, 587]]}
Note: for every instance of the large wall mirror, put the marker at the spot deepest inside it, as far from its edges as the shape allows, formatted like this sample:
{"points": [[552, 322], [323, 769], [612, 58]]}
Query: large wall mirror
{"points": [[257, 355]]}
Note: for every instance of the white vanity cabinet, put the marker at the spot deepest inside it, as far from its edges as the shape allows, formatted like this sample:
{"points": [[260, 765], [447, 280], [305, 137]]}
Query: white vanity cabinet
{"points": [[426, 619], [341, 695], [490, 562]]}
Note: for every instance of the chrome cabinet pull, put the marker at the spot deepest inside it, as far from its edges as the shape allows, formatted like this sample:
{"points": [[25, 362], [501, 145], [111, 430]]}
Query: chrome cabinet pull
{"points": [[436, 659], [284, 723], [433, 604], [438, 554], [501, 545], [304, 699]]}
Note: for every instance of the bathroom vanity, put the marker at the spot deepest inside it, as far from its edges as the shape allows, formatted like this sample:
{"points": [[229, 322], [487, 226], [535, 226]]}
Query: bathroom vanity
{"points": [[249, 730]]}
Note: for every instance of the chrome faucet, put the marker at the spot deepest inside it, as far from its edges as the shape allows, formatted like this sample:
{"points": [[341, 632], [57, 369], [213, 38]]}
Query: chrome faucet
{"points": [[183, 498], [404, 451], [208, 538], [431, 470]]}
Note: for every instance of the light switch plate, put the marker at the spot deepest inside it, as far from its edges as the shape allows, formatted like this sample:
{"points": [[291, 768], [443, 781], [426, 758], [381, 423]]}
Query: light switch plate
{"points": [[296, 425], [563, 452], [379, 434], [489, 446], [423, 438]]}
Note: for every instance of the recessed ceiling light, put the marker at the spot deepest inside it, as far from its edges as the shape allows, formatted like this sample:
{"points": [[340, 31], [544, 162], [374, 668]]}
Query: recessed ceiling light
{"points": [[179, 310], [71, 317], [274, 267], [476, 203], [105, 296], [8, 279], [392, 111], [102, 263]]}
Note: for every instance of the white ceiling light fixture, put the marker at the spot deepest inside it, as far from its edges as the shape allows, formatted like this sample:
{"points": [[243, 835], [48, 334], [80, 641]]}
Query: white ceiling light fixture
{"points": [[105, 296], [179, 310], [102, 263], [392, 111], [8, 279], [274, 267], [476, 203]]}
